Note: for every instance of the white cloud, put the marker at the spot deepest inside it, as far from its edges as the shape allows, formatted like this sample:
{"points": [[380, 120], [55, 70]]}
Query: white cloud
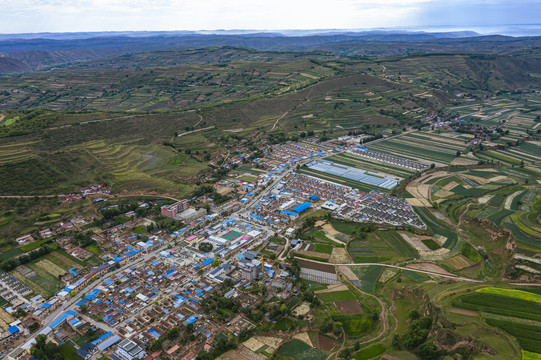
{"points": [[98, 15]]}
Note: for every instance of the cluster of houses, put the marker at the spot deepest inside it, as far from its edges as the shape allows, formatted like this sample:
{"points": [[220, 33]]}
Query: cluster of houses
{"points": [[133, 307], [299, 192]]}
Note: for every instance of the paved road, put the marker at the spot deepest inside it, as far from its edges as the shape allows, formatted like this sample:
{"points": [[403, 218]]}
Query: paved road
{"points": [[455, 277], [70, 195], [70, 304]]}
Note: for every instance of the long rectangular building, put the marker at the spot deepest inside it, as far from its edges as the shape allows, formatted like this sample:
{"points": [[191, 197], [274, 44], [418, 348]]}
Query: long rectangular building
{"points": [[348, 172], [322, 273]]}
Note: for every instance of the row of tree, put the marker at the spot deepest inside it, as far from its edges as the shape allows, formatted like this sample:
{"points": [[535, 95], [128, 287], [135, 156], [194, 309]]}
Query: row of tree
{"points": [[11, 264]]}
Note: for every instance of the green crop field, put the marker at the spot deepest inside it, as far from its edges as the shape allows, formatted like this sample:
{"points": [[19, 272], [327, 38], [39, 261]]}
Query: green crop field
{"points": [[299, 350], [400, 245], [415, 146], [431, 244], [323, 248], [45, 280], [370, 352], [438, 227], [470, 252], [354, 325], [415, 276], [500, 305], [336, 296], [368, 276], [527, 335], [520, 236]]}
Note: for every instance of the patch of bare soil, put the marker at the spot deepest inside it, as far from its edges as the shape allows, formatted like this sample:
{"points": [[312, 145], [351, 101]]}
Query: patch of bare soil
{"points": [[332, 288], [463, 312], [349, 307], [325, 343], [429, 267], [314, 254], [339, 256]]}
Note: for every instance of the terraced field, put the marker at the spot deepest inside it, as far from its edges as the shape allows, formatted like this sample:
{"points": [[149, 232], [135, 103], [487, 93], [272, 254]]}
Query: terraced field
{"points": [[17, 151], [153, 165], [384, 246], [517, 312], [424, 146], [511, 208], [439, 228]]}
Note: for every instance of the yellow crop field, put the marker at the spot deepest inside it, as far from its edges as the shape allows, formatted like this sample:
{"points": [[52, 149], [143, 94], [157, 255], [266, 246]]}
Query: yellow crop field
{"points": [[517, 294], [526, 355]]}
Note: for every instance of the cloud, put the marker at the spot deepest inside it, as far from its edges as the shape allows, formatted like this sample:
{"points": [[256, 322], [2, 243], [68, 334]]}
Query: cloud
{"points": [[103, 15]]}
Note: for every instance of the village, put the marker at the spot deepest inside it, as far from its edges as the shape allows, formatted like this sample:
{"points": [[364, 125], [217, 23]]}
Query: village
{"points": [[144, 290]]}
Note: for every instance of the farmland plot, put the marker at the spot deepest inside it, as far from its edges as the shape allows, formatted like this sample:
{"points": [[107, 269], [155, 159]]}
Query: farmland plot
{"points": [[51, 268]]}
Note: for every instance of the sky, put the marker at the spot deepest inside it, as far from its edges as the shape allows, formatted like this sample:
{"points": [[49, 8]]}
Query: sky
{"points": [[30, 16]]}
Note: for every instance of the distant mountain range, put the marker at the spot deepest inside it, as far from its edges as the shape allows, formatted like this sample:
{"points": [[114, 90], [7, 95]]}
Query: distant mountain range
{"points": [[249, 33], [21, 53]]}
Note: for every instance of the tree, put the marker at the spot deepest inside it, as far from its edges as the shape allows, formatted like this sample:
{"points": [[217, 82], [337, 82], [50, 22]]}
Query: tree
{"points": [[396, 341], [427, 351], [34, 327], [414, 314], [326, 327], [228, 283], [205, 247], [43, 350], [203, 355], [216, 262], [458, 153], [83, 309], [345, 354]]}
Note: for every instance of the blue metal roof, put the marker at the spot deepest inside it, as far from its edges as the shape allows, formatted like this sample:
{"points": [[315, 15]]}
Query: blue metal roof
{"points": [[101, 338], [62, 317], [13, 329], [207, 262], [300, 208]]}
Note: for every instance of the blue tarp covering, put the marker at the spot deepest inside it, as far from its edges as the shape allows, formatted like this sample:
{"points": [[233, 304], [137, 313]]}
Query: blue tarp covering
{"points": [[101, 338], [300, 208], [75, 322], [207, 262], [131, 253], [62, 317]]}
